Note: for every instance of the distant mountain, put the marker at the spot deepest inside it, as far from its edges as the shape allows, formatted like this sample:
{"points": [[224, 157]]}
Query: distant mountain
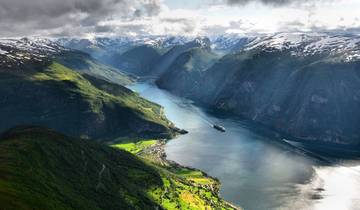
{"points": [[42, 169], [119, 44], [138, 60], [344, 47], [113, 50], [18, 53], [304, 85], [44, 84], [185, 72], [228, 43], [150, 55], [154, 59], [166, 60]]}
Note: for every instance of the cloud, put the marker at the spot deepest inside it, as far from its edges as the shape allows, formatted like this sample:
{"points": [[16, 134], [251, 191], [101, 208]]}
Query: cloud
{"points": [[32, 16], [185, 25], [234, 26], [270, 2], [293, 25], [157, 17]]}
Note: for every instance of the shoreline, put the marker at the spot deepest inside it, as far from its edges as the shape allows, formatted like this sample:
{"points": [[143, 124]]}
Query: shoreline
{"points": [[158, 156]]}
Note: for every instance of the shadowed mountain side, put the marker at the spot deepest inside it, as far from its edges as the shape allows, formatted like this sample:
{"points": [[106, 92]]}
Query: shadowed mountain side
{"points": [[62, 99], [41, 169]]}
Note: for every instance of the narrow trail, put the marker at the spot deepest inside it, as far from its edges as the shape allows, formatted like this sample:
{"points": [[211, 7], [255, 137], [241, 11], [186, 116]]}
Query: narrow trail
{"points": [[102, 171], [100, 185]]}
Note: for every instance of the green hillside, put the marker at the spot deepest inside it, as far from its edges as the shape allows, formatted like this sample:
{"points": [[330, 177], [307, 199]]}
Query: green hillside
{"points": [[58, 97], [85, 64], [41, 169]]}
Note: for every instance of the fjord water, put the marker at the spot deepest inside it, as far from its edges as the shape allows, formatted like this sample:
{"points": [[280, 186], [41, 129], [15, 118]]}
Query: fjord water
{"points": [[256, 171]]}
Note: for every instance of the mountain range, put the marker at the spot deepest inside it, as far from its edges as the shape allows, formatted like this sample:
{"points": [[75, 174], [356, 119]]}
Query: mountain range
{"points": [[67, 121], [45, 84], [67, 111], [304, 85]]}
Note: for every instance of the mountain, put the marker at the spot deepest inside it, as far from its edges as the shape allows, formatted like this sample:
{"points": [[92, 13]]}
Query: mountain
{"points": [[138, 60], [85, 64], [186, 70], [228, 43], [142, 56], [118, 51], [99, 45], [42, 169], [166, 60], [72, 94], [303, 85], [17, 53]]}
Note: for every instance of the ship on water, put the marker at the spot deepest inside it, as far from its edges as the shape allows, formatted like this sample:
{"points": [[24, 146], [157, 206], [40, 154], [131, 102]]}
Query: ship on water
{"points": [[219, 127]]}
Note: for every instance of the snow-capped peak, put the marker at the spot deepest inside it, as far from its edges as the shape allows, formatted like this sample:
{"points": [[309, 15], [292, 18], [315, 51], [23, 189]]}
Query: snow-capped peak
{"points": [[301, 44], [15, 52]]}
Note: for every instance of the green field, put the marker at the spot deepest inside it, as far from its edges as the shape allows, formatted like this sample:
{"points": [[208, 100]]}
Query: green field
{"points": [[135, 147], [183, 188]]}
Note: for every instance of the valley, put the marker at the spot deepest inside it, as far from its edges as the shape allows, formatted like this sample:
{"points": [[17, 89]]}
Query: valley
{"points": [[180, 105], [256, 169], [69, 120], [289, 82], [278, 146]]}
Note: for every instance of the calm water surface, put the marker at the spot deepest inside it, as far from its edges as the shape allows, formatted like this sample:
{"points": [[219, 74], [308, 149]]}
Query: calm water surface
{"points": [[256, 172]]}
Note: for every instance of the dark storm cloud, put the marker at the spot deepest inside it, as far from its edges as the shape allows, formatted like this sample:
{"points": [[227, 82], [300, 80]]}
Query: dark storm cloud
{"points": [[25, 16]]}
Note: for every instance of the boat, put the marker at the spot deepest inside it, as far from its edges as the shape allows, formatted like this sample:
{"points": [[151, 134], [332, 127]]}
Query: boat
{"points": [[219, 128]]}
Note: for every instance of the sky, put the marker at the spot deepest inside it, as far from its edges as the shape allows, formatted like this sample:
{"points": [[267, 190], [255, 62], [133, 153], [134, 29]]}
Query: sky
{"points": [[88, 18]]}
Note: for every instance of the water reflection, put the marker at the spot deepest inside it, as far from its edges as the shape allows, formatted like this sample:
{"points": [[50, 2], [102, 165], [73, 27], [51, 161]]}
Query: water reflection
{"points": [[255, 172]]}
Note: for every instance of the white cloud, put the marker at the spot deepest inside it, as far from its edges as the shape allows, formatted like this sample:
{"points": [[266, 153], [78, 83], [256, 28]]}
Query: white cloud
{"points": [[208, 17]]}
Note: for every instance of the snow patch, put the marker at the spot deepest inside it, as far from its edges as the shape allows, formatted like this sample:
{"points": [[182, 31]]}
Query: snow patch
{"points": [[347, 47], [319, 99], [3, 52]]}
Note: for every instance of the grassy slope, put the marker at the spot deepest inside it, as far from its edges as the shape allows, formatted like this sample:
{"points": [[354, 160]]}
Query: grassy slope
{"points": [[85, 64], [41, 169], [68, 101], [184, 188], [135, 147], [98, 95]]}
